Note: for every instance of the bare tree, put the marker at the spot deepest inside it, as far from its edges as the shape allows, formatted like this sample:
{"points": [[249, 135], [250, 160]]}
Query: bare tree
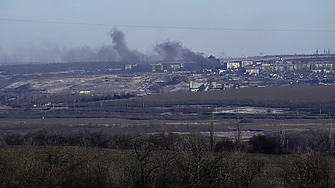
{"points": [[238, 137], [309, 170], [330, 137], [248, 171], [139, 165], [212, 135]]}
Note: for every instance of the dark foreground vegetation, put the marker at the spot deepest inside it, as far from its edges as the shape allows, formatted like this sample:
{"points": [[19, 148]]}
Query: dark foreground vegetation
{"points": [[49, 158]]}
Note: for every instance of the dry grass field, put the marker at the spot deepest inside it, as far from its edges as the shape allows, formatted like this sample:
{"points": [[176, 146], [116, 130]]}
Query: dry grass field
{"points": [[289, 93], [185, 112], [224, 127]]}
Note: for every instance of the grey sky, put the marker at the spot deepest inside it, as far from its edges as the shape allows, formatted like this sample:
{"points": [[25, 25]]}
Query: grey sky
{"points": [[20, 39]]}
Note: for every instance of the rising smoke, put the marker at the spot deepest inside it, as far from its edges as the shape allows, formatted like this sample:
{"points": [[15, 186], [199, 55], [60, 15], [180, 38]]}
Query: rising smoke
{"points": [[175, 51], [117, 51], [119, 44]]}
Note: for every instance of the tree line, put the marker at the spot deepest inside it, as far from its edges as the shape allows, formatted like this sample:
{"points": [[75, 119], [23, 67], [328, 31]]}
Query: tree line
{"points": [[50, 158], [274, 143]]}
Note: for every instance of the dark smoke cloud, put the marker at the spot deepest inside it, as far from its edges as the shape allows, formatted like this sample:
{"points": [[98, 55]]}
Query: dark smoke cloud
{"points": [[39, 51], [119, 44], [117, 51], [175, 51], [104, 53], [172, 51]]}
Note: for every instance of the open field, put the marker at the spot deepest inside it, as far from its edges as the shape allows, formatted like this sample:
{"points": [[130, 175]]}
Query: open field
{"points": [[293, 94], [224, 127], [259, 110]]}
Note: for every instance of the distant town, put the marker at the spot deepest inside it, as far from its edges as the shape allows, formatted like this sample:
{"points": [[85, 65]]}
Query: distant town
{"points": [[147, 77]]}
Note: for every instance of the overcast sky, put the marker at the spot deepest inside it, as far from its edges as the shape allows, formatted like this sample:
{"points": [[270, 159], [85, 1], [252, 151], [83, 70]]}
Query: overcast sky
{"points": [[253, 27]]}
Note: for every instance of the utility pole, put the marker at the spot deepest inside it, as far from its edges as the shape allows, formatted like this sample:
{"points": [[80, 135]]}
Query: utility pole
{"points": [[330, 136], [281, 133], [212, 136], [238, 138]]}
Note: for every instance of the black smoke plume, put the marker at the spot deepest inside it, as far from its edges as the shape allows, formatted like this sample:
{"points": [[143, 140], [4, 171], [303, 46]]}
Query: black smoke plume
{"points": [[175, 51], [119, 44], [117, 51], [172, 51]]}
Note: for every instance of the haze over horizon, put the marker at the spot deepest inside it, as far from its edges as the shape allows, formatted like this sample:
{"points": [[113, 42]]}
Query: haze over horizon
{"points": [[48, 30]]}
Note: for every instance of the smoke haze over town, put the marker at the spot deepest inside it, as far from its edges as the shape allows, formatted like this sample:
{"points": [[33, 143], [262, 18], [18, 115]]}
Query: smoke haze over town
{"points": [[79, 30], [118, 50]]}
